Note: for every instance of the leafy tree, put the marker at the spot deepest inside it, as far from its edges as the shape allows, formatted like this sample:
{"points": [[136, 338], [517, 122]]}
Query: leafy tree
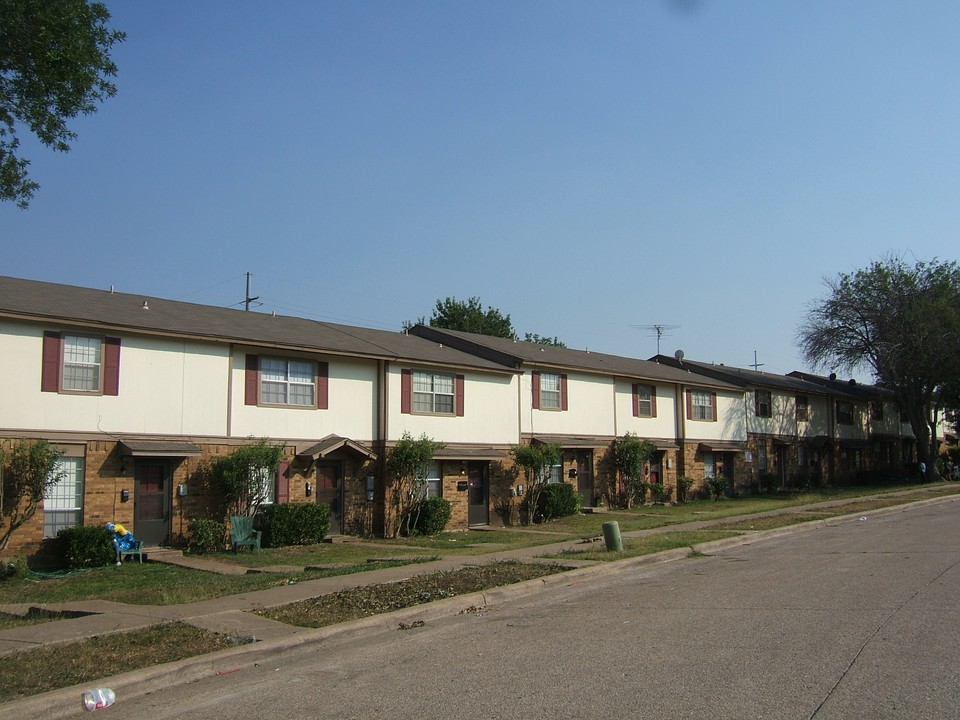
{"points": [[407, 466], [244, 476], [536, 461], [54, 65], [29, 475], [902, 323], [543, 340], [631, 456], [469, 316]]}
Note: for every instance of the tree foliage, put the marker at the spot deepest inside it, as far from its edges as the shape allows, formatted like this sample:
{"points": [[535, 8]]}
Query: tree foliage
{"points": [[407, 466], [901, 322], [536, 460], [245, 476], [543, 339], [54, 65], [469, 316], [27, 477], [631, 456]]}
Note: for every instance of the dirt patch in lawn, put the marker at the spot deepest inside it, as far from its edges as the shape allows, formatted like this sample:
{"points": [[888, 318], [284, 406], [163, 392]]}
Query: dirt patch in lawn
{"points": [[359, 602]]}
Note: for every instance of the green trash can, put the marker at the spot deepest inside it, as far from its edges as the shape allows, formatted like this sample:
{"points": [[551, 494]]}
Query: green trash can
{"points": [[611, 536]]}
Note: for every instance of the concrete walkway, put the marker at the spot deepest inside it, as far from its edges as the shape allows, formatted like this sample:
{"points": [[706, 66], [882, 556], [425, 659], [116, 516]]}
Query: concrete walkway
{"points": [[231, 615]]}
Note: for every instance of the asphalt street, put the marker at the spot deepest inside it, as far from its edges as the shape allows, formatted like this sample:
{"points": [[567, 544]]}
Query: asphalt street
{"points": [[857, 619]]}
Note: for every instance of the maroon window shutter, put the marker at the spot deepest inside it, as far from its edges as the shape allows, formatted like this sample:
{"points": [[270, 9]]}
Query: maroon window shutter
{"points": [[535, 387], [283, 483], [111, 366], [713, 403], [653, 401], [458, 399], [563, 392], [323, 386], [50, 371], [406, 391], [689, 404], [251, 384], [636, 400]]}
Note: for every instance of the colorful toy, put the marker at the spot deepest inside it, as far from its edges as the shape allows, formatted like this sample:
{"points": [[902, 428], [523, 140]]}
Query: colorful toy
{"points": [[123, 539]]}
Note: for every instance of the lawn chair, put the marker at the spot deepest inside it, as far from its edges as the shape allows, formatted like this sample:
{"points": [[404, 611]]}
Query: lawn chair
{"points": [[134, 550], [242, 533]]}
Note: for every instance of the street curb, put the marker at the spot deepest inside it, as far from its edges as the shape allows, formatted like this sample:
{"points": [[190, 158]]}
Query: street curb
{"points": [[66, 702]]}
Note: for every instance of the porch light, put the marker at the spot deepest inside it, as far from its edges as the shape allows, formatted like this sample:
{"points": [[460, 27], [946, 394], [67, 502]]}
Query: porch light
{"points": [[308, 488]]}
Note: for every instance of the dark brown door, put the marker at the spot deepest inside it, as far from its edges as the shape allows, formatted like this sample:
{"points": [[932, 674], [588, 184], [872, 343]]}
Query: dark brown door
{"points": [[328, 491], [479, 493], [585, 477], [152, 503]]}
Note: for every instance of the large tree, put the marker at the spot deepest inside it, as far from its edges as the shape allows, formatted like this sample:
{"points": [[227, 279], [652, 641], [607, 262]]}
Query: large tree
{"points": [[469, 316], [54, 65], [901, 322]]}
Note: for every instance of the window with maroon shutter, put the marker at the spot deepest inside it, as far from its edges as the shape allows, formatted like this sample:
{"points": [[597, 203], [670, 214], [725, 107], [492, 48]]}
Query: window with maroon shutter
{"points": [[111, 366], [323, 386], [251, 380], [432, 393], [701, 405], [50, 372], [406, 391], [535, 389], [458, 402], [644, 401]]}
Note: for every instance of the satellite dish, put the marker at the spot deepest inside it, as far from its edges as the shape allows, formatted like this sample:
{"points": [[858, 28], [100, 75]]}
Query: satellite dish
{"points": [[833, 376], [679, 356], [851, 382]]}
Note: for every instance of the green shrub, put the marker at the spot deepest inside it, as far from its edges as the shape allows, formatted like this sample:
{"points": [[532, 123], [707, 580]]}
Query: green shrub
{"points": [[430, 516], [286, 524], [768, 482], [660, 494], [558, 500], [86, 546], [684, 484], [13, 569], [717, 487], [207, 535]]}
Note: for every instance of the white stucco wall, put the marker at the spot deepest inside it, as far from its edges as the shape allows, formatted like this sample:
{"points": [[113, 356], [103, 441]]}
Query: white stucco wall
{"points": [[590, 407], [663, 426], [783, 414], [490, 411], [731, 419], [351, 412], [166, 387]]}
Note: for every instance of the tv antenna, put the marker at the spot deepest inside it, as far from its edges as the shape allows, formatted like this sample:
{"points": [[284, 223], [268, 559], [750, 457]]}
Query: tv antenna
{"points": [[756, 365], [660, 330]]}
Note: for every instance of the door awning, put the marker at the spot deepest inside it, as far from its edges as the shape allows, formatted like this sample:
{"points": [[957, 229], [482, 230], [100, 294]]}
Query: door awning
{"points": [[723, 446], [159, 448], [332, 443], [470, 453]]}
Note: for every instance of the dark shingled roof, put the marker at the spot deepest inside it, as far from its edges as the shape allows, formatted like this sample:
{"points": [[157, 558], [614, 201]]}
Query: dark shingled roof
{"points": [[112, 311], [517, 353]]}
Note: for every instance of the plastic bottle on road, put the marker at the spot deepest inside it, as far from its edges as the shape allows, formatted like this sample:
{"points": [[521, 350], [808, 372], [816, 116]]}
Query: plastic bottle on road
{"points": [[99, 698]]}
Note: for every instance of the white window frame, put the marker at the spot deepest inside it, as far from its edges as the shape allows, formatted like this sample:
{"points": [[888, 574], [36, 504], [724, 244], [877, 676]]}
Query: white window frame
{"points": [[550, 389], [846, 404], [803, 408], [709, 466], [288, 381], [763, 403], [434, 482], [268, 484], [701, 405], [81, 364], [434, 393], [645, 395], [63, 501]]}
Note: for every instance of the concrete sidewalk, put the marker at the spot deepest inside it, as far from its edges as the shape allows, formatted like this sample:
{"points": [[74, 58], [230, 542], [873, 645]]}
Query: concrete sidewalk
{"points": [[231, 615]]}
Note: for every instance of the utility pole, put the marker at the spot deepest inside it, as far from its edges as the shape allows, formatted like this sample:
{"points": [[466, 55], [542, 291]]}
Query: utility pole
{"points": [[756, 366], [247, 298]]}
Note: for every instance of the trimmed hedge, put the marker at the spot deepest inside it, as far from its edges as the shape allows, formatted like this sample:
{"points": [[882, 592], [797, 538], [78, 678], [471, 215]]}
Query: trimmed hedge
{"points": [[558, 500], [433, 518], [85, 546], [286, 524]]}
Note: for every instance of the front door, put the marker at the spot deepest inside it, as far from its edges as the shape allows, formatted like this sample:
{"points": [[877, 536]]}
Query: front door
{"points": [[328, 491], [479, 492], [152, 502], [585, 477]]}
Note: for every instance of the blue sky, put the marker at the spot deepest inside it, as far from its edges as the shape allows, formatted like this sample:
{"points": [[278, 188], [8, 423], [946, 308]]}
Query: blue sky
{"points": [[588, 168]]}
